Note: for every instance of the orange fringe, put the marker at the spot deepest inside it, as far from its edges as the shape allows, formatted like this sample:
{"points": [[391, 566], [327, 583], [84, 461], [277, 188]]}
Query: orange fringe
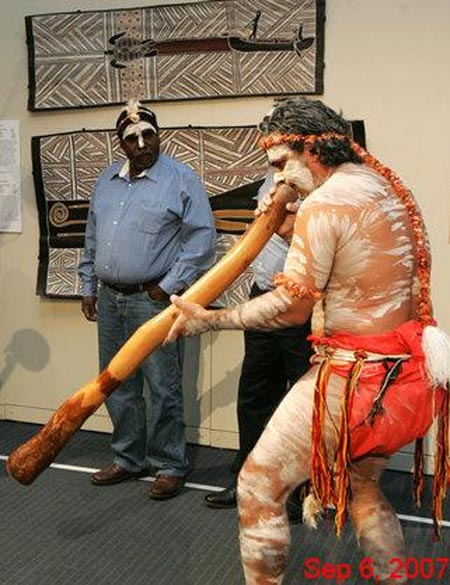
{"points": [[331, 483], [342, 462], [296, 290], [441, 466], [320, 472], [419, 482], [267, 142]]}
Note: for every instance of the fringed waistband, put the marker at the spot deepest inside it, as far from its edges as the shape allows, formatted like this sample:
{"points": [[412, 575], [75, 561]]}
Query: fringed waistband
{"points": [[338, 354]]}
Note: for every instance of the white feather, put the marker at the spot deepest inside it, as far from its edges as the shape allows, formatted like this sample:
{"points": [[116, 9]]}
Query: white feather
{"points": [[312, 510], [436, 347], [132, 110]]}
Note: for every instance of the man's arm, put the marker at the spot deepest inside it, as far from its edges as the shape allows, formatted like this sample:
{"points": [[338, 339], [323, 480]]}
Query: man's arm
{"points": [[276, 309], [86, 269]]}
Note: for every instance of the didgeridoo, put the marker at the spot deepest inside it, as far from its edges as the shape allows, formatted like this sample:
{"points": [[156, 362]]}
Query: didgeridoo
{"points": [[31, 458]]}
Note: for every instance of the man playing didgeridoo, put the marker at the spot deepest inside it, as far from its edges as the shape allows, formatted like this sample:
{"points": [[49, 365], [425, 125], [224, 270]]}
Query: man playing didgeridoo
{"points": [[379, 372]]}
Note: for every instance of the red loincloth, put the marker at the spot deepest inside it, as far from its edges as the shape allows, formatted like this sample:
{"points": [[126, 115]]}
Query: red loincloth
{"points": [[409, 404]]}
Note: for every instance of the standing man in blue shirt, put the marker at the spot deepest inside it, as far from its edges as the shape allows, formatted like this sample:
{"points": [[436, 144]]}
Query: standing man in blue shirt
{"points": [[150, 233], [273, 362]]}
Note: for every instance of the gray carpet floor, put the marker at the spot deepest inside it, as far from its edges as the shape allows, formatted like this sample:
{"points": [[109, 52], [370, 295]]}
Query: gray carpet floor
{"points": [[61, 530]]}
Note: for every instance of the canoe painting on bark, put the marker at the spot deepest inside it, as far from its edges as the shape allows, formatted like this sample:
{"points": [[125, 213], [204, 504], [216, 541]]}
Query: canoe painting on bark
{"points": [[170, 52]]}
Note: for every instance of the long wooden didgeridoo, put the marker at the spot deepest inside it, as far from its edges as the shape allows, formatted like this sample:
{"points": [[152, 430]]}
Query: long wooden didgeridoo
{"points": [[31, 458]]}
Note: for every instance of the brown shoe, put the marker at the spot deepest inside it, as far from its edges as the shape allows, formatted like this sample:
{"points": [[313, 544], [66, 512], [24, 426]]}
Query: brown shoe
{"points": [[113, 473], [165, 487]]}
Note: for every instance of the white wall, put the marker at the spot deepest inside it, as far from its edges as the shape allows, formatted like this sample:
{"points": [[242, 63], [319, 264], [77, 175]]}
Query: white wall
{"points": [[386, 63]]}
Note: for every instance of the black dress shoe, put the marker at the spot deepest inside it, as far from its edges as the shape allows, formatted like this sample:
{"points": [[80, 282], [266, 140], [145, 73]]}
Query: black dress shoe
{"points": [[224, 499], [112, 474]]}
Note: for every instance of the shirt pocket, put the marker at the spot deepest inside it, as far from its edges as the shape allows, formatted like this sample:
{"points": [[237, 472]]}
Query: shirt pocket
{"points": [[154, 220]]}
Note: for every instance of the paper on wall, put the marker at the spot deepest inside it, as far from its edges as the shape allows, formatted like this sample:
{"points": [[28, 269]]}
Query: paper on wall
{"points": [[10, 188]]}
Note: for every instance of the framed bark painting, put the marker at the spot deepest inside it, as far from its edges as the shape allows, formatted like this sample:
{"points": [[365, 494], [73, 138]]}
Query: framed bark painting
{"points": [[65, 167], [212, 49]]}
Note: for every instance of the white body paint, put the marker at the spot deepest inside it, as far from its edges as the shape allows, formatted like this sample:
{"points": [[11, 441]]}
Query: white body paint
{"points": [[137, 129], [294, 170], [352, 239]]}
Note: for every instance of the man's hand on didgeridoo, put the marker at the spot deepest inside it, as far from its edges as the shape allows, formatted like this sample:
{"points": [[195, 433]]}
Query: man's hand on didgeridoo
{"points": [[286, 230], [192, 319], [267, 200]]}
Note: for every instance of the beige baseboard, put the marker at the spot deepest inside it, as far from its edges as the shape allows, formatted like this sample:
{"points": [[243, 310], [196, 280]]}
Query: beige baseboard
{"points": [[198, 435], [224, 439]]}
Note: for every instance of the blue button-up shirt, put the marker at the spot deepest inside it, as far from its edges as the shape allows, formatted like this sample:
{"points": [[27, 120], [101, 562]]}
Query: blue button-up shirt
{"points": [[157, 226]]}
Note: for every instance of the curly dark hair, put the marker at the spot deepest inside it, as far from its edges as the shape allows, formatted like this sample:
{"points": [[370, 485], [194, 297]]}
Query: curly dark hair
{"points": [[306, 117]]}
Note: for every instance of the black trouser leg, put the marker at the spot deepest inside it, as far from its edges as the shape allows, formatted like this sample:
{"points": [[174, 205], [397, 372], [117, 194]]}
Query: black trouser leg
{"points": [[273, 362], [262, 384]]}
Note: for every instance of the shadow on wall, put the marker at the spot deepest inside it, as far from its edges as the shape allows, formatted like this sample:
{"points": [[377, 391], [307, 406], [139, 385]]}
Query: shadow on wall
{"points": [[27, 349]]}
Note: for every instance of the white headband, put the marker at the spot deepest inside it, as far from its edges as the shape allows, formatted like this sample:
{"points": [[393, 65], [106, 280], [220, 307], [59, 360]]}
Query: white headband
{"points": [[137, 129]]}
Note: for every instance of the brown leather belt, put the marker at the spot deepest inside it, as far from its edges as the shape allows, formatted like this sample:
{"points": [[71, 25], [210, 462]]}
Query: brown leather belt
{"points": [[131, 289]]}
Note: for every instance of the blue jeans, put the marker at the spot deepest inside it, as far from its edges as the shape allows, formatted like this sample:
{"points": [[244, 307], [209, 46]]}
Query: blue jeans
{"points": [[147, 409]]}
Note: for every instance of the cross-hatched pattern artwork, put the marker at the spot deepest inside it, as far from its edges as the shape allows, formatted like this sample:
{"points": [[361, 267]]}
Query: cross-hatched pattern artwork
{"points": [[228, 160], [219, 48]]}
